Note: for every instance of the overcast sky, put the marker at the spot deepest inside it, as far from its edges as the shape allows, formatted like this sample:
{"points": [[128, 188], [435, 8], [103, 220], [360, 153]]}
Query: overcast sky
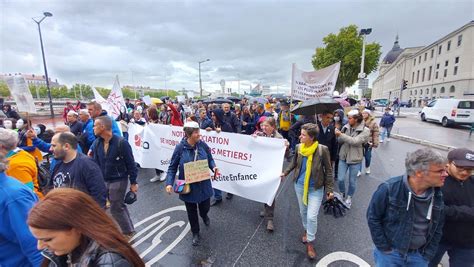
{"points": [[145, 42]]}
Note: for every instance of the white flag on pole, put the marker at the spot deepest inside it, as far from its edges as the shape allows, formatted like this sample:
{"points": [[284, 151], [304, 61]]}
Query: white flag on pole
{"points": [[314, 84], [21, 93], [115, 99], [101, 100]]}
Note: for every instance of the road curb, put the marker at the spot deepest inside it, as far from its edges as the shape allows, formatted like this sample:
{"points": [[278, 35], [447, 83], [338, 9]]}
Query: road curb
{"points": [[422, 142]]}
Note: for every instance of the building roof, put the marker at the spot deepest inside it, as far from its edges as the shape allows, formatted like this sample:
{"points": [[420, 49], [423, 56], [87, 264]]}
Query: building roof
{"points": [[393, 54]]}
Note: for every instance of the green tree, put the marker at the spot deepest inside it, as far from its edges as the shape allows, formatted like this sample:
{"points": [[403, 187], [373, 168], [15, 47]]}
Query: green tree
{"points": [[368, 93], [4, 91], [346, 46]]}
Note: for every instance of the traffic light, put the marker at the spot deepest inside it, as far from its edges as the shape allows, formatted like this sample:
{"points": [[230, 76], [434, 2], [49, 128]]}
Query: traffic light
{"points": [[404, 84]]}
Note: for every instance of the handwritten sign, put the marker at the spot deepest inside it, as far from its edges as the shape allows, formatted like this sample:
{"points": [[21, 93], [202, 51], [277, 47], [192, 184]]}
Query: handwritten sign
{"points": [[196, 171]]}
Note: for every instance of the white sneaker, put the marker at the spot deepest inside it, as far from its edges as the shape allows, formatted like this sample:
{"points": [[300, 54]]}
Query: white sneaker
{"points": [[163, 176], [349, 201], [388, 139], [359, 174], [381, 141], [155, 178], [367, 170]]}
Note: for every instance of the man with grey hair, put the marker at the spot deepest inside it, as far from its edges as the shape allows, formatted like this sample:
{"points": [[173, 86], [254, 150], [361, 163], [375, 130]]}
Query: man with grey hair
{"points": [[74, 123], [405, 215]]}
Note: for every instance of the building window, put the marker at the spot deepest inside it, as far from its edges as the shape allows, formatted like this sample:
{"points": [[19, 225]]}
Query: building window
{"points": [[452, 89], [446, 63], [437, 66], [459, 40], [412, 77], [423, 76], [414, 62], [456, 60], [426, 55], [411, 92], [419, 59], [436, 75], [445, 73], [421, 91], [434, 91], [416, 92], [432, 53], [427, 91], [442, 90], [449, 46], [417, 75], [455, 70], [429, 73], [439, 49]]}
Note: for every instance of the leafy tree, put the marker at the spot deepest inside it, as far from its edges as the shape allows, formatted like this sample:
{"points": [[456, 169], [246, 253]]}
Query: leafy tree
{"points": [[346, 46], [4, 91]]}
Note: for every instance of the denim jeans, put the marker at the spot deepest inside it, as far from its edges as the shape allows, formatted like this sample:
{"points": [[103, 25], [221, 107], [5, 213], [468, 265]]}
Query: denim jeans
{"points": [[385, 131], [343, 168], [395, 259], [457, 256], [118, 209], [309, 214], [217, 194], [367, 156]]}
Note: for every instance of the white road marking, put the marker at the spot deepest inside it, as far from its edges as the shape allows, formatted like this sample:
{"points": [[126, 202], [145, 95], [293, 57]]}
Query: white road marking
{"points": [[341, 256]]}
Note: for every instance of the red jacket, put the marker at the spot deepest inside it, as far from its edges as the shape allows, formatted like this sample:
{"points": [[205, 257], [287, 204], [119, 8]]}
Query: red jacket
{"points": [[176, 117]]}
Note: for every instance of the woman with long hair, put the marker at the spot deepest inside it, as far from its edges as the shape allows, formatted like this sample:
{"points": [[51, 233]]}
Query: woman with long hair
{"points": [[72, 230]]}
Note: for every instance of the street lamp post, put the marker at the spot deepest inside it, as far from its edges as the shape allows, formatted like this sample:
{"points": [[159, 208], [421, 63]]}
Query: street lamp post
{"points": [[46, 14], [362, 75], [200, 81]]}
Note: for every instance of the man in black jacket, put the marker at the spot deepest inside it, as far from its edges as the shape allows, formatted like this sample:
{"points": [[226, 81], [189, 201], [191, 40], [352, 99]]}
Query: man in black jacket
{"points": [[75, 170], [458, 195], [115, 159], [326, 134], [231, 118]]}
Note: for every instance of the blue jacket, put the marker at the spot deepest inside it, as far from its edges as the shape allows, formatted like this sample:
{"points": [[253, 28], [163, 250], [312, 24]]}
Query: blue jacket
{"points": [[115, 165], [390, 216], [206, 123], [182, 154], [17, 244], [88, 131], [387, 120], [85, 176]]}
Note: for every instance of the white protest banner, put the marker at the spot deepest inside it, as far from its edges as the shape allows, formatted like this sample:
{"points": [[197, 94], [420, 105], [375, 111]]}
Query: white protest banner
{"points": [[21, 93], [314, 84], [181, 98], [147, 100], [115, 99], [101, 100], [250, 167]]}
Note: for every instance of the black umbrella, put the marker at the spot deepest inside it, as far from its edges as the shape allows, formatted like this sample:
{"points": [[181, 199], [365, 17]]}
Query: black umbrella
{"points": [[351, 101], [234, 99], [217, 101], [316, 106]]}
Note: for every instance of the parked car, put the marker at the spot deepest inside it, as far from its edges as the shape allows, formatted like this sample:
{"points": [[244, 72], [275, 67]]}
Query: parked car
{"points": [[449, 111], [405, 104], [381, 102]]}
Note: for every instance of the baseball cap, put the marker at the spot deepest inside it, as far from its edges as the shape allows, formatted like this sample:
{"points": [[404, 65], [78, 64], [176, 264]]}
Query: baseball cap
{"points": [[130, 198], [462, 157]]}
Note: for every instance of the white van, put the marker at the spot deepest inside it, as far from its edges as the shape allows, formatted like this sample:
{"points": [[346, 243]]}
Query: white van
{"points": [[449, 111]]}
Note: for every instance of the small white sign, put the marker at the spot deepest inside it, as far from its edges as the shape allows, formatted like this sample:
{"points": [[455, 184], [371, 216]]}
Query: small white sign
{"points": [[21, 93]]}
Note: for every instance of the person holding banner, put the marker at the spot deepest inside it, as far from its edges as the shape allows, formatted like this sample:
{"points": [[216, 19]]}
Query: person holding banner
{"points": [[192, 150], [269, 129], [312, 175]]}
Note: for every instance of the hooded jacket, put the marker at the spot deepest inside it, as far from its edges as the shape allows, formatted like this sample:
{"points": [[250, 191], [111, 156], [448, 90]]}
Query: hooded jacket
{"points": [[184, 153], [351, 143]]}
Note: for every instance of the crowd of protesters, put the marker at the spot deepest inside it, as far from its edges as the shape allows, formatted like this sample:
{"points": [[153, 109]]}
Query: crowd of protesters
{"points": [[92, 157]]}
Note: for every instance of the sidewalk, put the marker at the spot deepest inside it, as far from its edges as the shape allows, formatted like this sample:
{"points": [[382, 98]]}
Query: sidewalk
{"points": [[412, 129]]}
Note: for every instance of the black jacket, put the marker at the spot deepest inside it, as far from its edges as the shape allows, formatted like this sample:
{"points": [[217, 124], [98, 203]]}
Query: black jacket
{"points": [[233, 121], [459, 211], [93, 256], [328, 139]]}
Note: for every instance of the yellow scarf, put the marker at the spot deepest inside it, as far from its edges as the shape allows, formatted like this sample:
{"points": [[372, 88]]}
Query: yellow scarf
{"points": [[307, 152]]}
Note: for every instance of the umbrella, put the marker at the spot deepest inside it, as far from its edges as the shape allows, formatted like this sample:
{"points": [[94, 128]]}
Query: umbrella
{"points": [[164, 98], [156, 101], [316, 106], [234, 99], [217, 101], [344, 103], [352, 101], [260, 100]]}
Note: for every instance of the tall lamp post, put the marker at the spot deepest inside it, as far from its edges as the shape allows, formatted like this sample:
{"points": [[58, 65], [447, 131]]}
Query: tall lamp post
{"points": [[200, 81], [46, 14], [363, 84]]}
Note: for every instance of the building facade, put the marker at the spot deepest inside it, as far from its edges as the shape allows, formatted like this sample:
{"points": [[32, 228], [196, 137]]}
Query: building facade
{"points": [[33, 79], [443, 69]]}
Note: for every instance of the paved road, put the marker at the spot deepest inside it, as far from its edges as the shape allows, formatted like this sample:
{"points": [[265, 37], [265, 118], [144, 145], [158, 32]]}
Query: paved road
{"points": [[237, 235]]}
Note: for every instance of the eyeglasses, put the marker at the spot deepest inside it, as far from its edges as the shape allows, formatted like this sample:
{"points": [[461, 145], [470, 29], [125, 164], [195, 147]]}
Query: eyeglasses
{"points": [[464, 169]]}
